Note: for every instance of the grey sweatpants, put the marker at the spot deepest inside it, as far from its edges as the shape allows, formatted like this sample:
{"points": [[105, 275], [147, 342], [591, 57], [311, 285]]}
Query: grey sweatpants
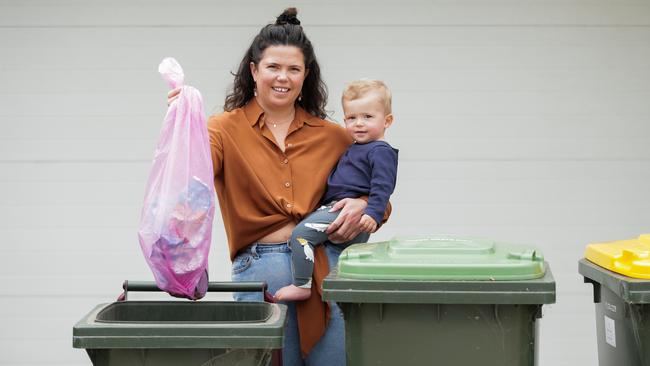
{"points": [[309, 233]]}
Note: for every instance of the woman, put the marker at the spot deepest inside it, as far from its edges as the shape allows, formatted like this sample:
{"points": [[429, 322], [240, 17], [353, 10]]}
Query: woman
{"points": [[272, 151]]}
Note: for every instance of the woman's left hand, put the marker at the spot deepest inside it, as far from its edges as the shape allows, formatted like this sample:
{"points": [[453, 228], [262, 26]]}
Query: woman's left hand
{"points": [[348, 224]]}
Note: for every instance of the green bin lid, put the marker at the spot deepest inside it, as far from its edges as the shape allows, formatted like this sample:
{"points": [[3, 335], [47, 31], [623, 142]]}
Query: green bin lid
{"points": [[440, 270], [441, 258]]}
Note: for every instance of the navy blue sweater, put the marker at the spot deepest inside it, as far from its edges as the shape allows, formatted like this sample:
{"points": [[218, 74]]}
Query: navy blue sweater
{"points": [[365, 170]]}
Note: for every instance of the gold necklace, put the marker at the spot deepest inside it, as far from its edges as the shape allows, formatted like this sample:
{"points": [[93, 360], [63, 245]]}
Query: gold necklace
{"points": [[283, 123]]}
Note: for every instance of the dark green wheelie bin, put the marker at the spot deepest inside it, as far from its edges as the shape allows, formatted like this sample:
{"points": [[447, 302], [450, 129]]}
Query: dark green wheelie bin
{"points": [[620, 274], [441, 300], [172, 333]]}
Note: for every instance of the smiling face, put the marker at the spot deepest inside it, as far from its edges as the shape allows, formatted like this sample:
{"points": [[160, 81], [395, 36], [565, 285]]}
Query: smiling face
{"points": [[279, 76], [366, 118]]}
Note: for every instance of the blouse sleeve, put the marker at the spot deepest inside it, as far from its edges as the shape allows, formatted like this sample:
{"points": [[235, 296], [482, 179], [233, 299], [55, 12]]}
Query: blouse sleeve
{"points": [[216, 144]]}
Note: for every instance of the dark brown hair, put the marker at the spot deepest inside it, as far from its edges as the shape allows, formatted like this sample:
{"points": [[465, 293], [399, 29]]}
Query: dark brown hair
{"points": [[286, 31]]}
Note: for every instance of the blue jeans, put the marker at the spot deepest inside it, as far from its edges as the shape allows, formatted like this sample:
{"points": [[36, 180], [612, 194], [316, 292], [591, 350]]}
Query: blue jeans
{"points": [[272, 263]]}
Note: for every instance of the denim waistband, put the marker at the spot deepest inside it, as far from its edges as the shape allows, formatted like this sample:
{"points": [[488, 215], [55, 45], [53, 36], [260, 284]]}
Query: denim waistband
{"points": [[258, 248]]}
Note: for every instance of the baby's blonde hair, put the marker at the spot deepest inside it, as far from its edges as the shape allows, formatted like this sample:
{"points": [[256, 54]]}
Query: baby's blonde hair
{"points": [[361, 87]]}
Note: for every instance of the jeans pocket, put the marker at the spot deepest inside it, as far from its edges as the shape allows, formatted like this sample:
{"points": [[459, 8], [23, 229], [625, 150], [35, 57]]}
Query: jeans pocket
{"points": [[241, 263]]}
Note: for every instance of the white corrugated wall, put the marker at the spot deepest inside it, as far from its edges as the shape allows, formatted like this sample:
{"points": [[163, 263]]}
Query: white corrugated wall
{"points": [[524, 121]]}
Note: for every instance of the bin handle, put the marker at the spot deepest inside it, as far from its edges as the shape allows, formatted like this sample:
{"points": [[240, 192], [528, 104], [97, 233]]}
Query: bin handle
{"points": [[224, 286]]}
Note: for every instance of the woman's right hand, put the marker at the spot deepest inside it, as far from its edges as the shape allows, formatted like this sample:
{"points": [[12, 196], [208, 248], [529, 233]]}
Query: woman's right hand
{"points": [[347, 225], [173, 95]]}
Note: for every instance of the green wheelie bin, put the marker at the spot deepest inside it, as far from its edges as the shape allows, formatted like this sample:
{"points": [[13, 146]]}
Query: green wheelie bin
{"points": [[620, 274], [172, 333], [441, 300]]}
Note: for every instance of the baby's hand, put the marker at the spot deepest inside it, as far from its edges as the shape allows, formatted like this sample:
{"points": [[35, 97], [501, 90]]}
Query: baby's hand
{"points": [[368, 224]]}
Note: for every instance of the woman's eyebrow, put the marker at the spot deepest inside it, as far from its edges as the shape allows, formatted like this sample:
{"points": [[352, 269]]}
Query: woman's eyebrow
{"points": [[277, 63]]}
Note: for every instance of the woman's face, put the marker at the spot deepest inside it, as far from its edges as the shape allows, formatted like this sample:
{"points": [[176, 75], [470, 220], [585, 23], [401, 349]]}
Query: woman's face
{"points": [[279, 76]]}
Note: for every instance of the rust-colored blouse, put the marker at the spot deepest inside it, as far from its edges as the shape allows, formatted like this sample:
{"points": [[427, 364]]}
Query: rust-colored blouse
{"points": [[261, 188]]}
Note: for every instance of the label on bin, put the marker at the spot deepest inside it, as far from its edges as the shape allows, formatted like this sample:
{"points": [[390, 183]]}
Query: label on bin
{"points": [[610, 331]]}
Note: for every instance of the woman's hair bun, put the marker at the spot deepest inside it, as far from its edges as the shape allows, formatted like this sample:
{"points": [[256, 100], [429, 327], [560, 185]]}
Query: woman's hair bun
{"points": [[288, 16]]}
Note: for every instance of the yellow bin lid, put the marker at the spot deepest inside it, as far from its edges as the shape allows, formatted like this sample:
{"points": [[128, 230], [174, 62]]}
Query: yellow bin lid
{"points": [[627, 257]]}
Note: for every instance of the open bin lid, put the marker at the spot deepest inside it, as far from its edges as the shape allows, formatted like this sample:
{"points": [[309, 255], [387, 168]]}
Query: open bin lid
{"points": [[628, 257], [182, 324], [441, 269]]}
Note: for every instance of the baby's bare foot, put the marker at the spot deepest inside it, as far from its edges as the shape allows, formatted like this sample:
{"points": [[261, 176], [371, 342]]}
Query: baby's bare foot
{"points": [[292, 293]]}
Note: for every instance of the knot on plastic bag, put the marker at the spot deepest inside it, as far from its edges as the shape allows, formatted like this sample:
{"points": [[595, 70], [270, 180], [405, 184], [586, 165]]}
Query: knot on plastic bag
{"points": [[172, 72]]}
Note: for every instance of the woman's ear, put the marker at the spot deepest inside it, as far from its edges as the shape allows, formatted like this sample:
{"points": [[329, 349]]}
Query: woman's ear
{"points": [[253, 70]]}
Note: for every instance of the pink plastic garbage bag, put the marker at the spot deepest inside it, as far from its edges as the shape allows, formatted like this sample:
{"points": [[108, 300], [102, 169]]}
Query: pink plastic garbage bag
{"points": [[176, 220]]}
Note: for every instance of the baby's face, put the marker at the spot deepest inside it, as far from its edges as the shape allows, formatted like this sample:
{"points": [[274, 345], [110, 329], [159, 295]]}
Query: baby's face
{"points": [[366, 118]]}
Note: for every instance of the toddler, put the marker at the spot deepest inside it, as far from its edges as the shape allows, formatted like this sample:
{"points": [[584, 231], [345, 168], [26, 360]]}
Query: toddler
{"points": [[367, 168]]}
